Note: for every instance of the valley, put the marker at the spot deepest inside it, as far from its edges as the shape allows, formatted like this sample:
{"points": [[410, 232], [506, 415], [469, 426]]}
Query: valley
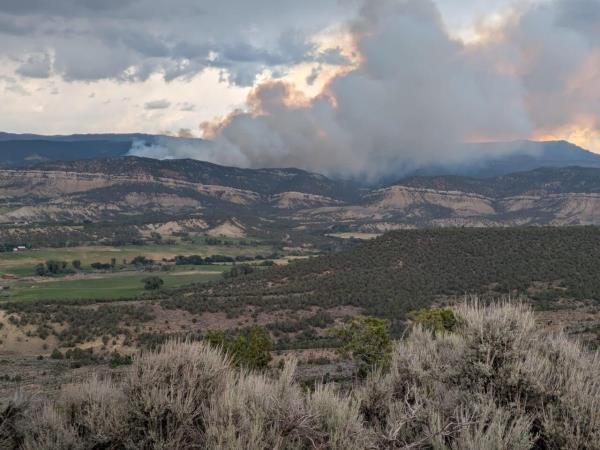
{"points": [[101, 259], [297, 300]]}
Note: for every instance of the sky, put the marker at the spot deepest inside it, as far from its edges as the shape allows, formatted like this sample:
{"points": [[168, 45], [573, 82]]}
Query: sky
{"points": [[346, 87]]}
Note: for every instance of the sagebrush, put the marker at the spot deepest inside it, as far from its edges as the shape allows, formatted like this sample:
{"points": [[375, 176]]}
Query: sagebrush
{"points": [[496, 382]]}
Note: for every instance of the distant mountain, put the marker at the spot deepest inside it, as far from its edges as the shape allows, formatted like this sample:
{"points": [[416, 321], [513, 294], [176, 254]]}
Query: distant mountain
{"points": [[287, 201], [112, 137], [543, 181], [501, 158], [17, 150]]}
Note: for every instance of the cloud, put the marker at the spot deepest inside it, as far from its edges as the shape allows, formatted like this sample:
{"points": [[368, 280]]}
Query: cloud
{"points": [[17, 89], [408, 80], [134, 39], [415, 96], [36, 66], [419, 93], [157, 104], [186, 106]]}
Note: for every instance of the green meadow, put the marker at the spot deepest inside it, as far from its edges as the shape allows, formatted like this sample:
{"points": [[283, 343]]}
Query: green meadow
{"points": [[105, 285]]}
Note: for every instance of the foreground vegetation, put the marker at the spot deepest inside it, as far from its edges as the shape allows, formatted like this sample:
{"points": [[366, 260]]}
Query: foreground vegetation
{"points": [[496, 382]]}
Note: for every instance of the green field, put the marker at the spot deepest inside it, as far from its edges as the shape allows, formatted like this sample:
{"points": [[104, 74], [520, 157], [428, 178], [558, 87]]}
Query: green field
{"points": [[22, 263], [106, 285]]}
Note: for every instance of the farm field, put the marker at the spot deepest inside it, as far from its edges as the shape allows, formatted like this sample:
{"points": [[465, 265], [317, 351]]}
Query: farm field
{"points": [[106, 285], [22, 263], [18, 280]]}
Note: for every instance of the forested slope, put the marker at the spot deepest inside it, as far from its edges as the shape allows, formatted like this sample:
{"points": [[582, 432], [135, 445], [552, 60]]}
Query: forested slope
{"points": [[406, 270]]}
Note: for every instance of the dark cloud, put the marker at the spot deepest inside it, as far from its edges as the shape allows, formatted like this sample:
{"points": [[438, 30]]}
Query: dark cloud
{"points": [[131, 40], [581, 16], [36, 66]]}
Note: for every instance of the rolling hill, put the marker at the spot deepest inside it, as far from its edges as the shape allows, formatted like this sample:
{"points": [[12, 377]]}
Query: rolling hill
{"points": [[555, 268]]}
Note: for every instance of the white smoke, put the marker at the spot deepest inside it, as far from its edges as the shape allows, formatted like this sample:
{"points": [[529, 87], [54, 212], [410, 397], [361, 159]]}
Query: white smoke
{"points": [[418, 94]]}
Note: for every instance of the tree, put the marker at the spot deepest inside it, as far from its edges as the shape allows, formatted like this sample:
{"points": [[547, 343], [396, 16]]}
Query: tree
{"points": [[258, 353], [152, 283], [251, 351], [437, 320], [238, 270], [367, 341], [76, 264], [40, 270], [52, 267], [55, 267], [141, 261]]}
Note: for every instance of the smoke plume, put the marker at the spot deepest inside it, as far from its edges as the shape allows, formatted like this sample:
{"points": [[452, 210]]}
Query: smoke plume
{"points": [[417, 93]]}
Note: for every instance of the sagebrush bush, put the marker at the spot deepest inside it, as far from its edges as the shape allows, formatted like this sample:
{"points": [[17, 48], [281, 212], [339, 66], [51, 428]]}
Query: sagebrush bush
{"points": [[496, 382]]}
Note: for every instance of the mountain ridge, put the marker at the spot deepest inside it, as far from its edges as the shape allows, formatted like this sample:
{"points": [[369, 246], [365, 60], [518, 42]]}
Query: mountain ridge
{"points": [[288, 201], [495, 158]]}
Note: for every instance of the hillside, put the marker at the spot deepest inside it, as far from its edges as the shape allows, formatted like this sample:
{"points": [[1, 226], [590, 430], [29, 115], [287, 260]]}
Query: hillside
{"points": [[555, 269], [132, 195], [407, 270], [261, 181]]}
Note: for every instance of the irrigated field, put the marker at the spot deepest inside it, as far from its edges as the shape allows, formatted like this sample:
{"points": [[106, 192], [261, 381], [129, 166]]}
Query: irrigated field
{"points": [[22, 263], [105, 285]]}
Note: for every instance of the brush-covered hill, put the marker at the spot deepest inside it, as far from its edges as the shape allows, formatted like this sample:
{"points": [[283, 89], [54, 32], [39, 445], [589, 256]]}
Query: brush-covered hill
{"points": [[407, 270]]}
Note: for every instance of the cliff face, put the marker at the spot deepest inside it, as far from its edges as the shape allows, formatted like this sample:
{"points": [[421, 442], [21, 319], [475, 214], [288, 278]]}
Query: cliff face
{"points": [[129, 187]]}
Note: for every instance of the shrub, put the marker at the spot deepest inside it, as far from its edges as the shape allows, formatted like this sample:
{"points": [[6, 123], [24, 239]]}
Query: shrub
{"points": [[251, 351], [152, 283], [56, 354], [367, 341], [435, 319], [141, 261], [497, 382]]}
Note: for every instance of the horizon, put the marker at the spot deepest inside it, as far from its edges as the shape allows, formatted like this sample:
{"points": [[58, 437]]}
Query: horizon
{"points": [[351, 87]]}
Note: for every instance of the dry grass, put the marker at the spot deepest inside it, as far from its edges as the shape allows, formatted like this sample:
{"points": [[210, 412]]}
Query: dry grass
{"points": [[498, 382]]}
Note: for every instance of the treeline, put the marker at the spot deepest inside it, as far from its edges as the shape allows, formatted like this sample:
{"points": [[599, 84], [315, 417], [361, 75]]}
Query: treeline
{"points": [[197, 260], [9, 247]]}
